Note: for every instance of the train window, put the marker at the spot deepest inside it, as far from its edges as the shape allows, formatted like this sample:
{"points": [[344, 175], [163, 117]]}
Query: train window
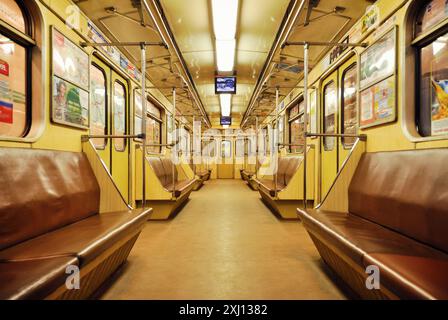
{"points": [[432, 13], [12, 14], [98, 105], [226, 149], [119, 112], [15, 71], [185, 141], [330, 105], [208, 149], [240, 146], [432, 67], [349, 107], [153, 129], [296, 127]]}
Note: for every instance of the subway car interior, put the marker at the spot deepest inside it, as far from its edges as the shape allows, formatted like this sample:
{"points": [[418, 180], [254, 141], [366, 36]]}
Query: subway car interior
{"points": [[224, 150]]}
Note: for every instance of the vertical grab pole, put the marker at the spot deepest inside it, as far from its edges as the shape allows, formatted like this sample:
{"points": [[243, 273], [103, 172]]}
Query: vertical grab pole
{"points": [[276, 140], [143, 98], [305, 119], [256, 147], [192, 147], [174, 137]]}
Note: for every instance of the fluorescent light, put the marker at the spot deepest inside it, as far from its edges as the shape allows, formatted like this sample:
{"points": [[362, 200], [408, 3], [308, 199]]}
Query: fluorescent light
{"points": [[225, 100], [225, 126], [225, 54], [225, 13]]}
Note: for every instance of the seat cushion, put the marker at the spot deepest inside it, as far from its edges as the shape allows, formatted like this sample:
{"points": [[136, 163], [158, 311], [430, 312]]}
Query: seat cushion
{"points": [[85, 239], [355, 236], [246, 175], [203, 175], [181, 187], [44, 192], [33, 279], [268, 186], [412, 276]]}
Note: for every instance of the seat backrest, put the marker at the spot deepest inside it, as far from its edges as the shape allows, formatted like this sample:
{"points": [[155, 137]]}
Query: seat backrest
{"points": [[159, 170], [282, 168], [292, 168], [43, 190], [406, 191], [168, 167]]}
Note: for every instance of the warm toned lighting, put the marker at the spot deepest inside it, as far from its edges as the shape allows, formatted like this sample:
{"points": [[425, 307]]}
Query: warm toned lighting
{"points": [[226, 101], [225, 14], [225, 54]]}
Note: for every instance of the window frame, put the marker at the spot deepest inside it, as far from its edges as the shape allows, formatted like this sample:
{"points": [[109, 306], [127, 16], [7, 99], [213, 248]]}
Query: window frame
{"points": [[292, 119], [26, 41], [418, 44], [106, 128], [324, 104], [223, 156], [159, 121], [126, 106], [354, 66], [408, 62]]}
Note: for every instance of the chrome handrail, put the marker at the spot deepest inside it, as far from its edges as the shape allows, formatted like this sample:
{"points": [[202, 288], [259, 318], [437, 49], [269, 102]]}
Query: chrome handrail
{"points": [[362, 137], [87, 137], [359, 137]]}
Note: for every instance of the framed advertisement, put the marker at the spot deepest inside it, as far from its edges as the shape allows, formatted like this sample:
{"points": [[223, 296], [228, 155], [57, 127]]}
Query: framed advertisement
{"points": [[378, 103], [379, 61], [69, 62], [437, 91], [70, 82], [70, 104]]}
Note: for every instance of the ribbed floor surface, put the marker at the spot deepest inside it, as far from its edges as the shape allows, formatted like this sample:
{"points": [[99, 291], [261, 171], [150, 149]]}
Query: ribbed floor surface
{"points": [[224, 244]]}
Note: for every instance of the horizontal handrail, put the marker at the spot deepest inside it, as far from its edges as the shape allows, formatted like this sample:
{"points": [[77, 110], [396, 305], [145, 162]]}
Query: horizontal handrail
{"points": [[361, 137], [290, 145], [87, 137], [160, 144]]}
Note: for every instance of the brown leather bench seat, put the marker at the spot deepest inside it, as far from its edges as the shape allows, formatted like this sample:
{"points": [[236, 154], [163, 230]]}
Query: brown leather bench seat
{"points": [[397, 220], [85, 239], [246, 175], [286, 168], [49, 219], [33, 279], [163, 168], [204, 174]]}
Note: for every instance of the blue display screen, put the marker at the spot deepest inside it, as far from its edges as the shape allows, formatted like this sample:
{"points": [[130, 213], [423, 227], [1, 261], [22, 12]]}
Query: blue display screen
{"points": [[225, 85]]}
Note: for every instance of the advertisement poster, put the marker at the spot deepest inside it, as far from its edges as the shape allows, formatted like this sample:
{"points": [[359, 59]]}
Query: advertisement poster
{"points": [[371, 19], [69, 61], [378, 103], [378, 61], [6, 112], [439, 107], [70, 104]]}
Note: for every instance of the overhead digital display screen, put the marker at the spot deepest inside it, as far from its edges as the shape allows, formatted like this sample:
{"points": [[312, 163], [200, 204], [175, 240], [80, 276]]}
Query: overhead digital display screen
{"points": [[226, 121], [225, 85]]}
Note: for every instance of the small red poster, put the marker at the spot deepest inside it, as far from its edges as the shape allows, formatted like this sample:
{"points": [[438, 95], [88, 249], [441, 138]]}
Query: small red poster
{"points": [[5, 112], [4, 68]]}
